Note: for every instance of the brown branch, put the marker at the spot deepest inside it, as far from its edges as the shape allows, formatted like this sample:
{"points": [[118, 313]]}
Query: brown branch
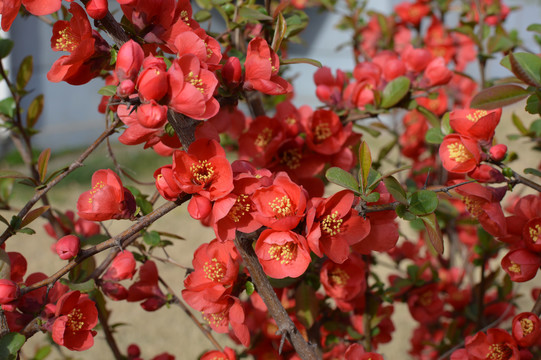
{"points": [[537, 306], [40, 193], [123, 239], [180, 303], [109, 334], [184, 127], [286, 327], [518, 178]]}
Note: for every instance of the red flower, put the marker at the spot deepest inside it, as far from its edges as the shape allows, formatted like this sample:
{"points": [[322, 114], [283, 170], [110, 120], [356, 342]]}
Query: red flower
{"points": [[345, 282], [436, 73], [526, 329], [204, 170], [262, 66], [282, 253], [68, 247], [227, 354], [10, 9], [231, 313], [129, 61], [261, 141], [332, 226], [280, 206], [166, 183], [89, 51], [325, 133], [9, 291], [97, 9], [357, 352], [146, 288], [122, 267], [76, 315], [459, 154], [476, 124], [495, 344], [521, 264], [107, 200], [329, 89], [425, 305], [412, 13], [191, 88], [153, 79]]}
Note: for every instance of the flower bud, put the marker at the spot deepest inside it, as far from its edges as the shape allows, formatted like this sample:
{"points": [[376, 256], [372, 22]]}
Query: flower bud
{"points": [[125, 88], [526, 329], [152, 115], [497, 152], [129, 60], [199, 207], [9, 291], [133, 351], [393, 69], [68, 247], [437, 73], [232, 72], [114, 291], [122, 267], [416, 59], [152, 83], [97, 9], [166, 184]]}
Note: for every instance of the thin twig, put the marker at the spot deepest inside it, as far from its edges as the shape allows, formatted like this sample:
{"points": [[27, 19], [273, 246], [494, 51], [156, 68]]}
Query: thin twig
{"points": [[109, 335]]}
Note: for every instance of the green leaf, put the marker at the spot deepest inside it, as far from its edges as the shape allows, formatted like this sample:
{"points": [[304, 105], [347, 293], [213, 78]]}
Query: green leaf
{"points": [[43, 161], [498, 96], [525, 66], [532, 171], [34, 111], [25, 72], [445, 124], [533, 105], [306, 305], [42, 352], [343, 178], [84, 287], [373, 180], [395, 91], [423, 202], [402, 211], [10, 344], [365, 163], [434, 232], [152, 238], [301, 61], [7, 107], [252, 14], [26, 230], [34, 214], [95, 239], [12, 174], [396, 171], [279, 32], [82, 270], [434, 136], [519, 124], [5, 47], [372, 197], [432, 118], [395, 189], [250, 288], [107, 90], [202, 16], [534, 27]]}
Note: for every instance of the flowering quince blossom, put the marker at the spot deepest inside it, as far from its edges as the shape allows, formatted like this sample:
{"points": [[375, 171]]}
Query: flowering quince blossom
{"points": [[357, 352], [459, 154], [325, 134], [122, 267], [230, 313], [332, 226], [474, 123], [75, 317], [203, 169], [10, 9], [495, 344], [107, 200], [89, 52], [227, 354], [146, 288], [345, 282], [67, 247], [9, 291], [282, 253], [329, 89], [262, 66]]}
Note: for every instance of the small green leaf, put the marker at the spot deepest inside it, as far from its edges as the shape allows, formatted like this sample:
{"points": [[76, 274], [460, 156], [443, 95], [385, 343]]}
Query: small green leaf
{"points": [[107, 90], [34, 111], [446, 128], [343, 178], [252, 14], [42, 352], [519, 124], [7, 107], [365, 163], [152, 238], [395, 91], [373, 180], [10, 344], [533, 105], [498, 96], [25, 72], [82, 270], [423, 202], [434, 136], [534, 27], [279, 32], [535, 128], [84, 287], [26, 231], [12, 174], [433, 230], [5, 47], [43, 161], [372, 197], [33, 215], [403, 213], [532, 171], [202, 16], [395, 189], [250, 288], [525, 66], [301, 61], [432, 118]]}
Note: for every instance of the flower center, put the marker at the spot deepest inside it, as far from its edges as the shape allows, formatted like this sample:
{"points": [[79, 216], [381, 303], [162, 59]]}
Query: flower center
{"points": [[426, 298], [534, 232], [499, 352], [473, 205], [214, 270], [291, 121], [263, 138], [75, 320], [184, 17], [515, 268], [195, 81], [283, 253], [458, 152], [339, 277], [322, 131], [216, 319], [331, 224], [291, 158], [202, 172], [281, 206], [66, 41], [240, 208], [97, 187], [527, 326], [476, 115]]}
